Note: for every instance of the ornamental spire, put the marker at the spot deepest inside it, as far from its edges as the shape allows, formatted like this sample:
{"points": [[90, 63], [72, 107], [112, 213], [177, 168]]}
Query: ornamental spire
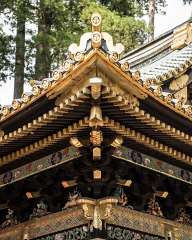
{"points": [[98, 39]]}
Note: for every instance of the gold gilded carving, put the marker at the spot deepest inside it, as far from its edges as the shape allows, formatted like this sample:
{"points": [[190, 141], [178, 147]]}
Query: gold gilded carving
{"points": [[179, 83], [181, 95], [1, 133], [97, 211], [182, 36], [96, 91], [188, 109], [96, 21], [114, 57], [118, 141], [137, 75], [96, 137], [125, 67], [46, 83], [158, 91], [96, 39], [26, 97], [74, 141], [79, 57], [66, 67], [5, 110], [16, 104], [96, 118], [76, 52], [97, 174], [168, 97], [183, 217], [56, 75], [97, 221], [96, 153], [154, 208], [36, 90], [131, 100]]}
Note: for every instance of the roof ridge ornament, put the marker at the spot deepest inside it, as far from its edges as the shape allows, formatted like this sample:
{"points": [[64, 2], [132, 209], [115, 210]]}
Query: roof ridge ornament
{"points": [[98, 39]]}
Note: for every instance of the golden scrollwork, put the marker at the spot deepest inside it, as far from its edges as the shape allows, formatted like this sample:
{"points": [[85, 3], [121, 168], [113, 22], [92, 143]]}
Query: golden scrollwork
{"points": [[96, 137], [97, 211]]}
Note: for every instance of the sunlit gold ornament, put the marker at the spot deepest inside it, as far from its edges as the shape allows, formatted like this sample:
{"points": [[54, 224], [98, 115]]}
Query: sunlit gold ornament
{"points": [[125, 67], [114, 57], [96, 39], [75, 142], [96, 137], [5, 110], [56, 75], [79, 57], [26, 97], [96, 118], [117, 142], [16, 104], [96, 22], [36, 90], [137, 75]]}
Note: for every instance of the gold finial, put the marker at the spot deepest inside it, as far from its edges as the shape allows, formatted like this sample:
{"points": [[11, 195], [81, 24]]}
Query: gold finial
{"points": [[96, 22], [96, 30]]}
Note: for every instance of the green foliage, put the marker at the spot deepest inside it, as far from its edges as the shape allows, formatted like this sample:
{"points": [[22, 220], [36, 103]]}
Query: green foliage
{"points": [[124, 7], [6, 66], [62, 22], [127, 30]]}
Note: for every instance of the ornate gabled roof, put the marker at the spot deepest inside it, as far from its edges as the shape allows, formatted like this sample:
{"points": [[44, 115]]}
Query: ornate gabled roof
{"points": [[58, 107]]}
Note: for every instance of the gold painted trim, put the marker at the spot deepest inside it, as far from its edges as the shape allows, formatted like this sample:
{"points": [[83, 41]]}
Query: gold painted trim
{"points": [[45, 142], [146, 141], [120, 101]]}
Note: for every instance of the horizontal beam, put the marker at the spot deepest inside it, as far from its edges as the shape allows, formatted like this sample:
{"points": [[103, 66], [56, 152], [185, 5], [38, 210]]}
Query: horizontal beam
{"points": [[146, 141]]}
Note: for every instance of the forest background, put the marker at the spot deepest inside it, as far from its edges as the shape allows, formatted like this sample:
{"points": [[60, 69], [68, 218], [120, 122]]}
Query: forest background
{"points": [[35, 34]]}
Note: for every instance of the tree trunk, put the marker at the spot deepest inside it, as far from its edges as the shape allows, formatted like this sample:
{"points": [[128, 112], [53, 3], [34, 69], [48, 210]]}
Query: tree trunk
{"points": [[151, 19], [43, 55], [20, 51]]}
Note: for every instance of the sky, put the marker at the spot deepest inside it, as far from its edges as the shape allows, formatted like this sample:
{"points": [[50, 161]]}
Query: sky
{"points": [[176, 13]]}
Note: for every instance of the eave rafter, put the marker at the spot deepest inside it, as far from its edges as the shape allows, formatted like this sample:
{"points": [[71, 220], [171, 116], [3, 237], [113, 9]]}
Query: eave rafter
{"points": [[59, 111], [46, 142], [108, 123], [146, 141], [134, 111]]}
